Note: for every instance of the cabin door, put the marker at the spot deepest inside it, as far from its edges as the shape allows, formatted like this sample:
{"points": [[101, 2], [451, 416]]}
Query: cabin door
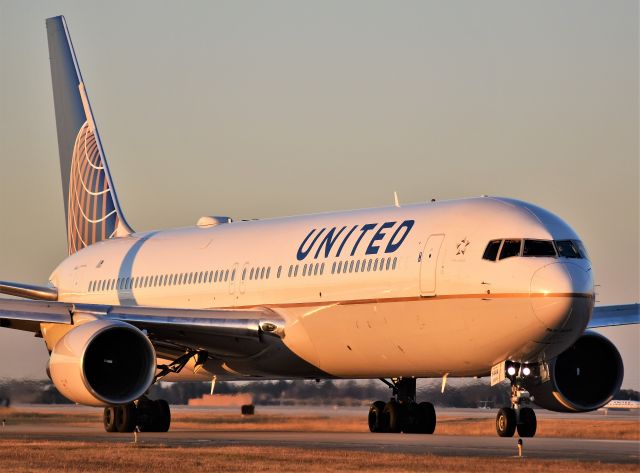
{"points": [[429, 265]]}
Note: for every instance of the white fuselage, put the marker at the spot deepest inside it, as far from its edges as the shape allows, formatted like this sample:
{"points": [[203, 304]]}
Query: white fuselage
{"points": [[417, 297]]}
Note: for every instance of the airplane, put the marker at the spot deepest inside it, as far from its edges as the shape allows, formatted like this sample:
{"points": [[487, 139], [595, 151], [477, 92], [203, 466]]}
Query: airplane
{"points": [[621, 404], [480, 287]]}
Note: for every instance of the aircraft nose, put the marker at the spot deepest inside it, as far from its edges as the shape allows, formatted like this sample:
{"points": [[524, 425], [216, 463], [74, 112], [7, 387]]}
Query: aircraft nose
{"points": [[562, 296]]}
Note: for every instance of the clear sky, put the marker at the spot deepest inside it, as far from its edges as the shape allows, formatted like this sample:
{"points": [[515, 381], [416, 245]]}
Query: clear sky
{"points": [[259, 109]]}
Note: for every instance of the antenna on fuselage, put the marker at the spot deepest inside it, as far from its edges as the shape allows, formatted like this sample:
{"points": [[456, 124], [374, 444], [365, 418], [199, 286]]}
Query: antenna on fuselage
{"points": [[395, 199]]}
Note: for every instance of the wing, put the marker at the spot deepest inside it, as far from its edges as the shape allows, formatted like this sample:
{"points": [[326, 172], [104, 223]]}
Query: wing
{"points": [[612, 315], [229, 332], [238, 343]]}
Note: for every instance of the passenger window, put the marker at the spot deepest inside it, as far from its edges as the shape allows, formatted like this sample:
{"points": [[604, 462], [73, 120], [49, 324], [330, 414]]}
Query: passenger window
{"points": [[381, 267], [538, 248], [375, 264], [290, 269], [491, 251], [567, 249], [279, 271], [388, 263], [357, 266], [339, 266], [333, 268], [395, 261], [244, 274], [369, 265], [295, 271], [268, 272], [510, 248], [226, 275], [233, 275], [321, 269], [304, 270], [351, 266]]}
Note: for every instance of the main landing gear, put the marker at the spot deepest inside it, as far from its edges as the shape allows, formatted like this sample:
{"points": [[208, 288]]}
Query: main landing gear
{"points": [[518, 416], [402, 413], [145, 414]]}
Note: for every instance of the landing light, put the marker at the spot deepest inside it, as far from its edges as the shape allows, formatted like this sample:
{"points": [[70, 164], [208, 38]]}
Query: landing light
{"points": [[511, 370], [526, 371]]}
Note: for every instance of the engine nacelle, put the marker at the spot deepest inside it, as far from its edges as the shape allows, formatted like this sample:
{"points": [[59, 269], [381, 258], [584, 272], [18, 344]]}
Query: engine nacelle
{"points": [[583, 378], [103, 362]]}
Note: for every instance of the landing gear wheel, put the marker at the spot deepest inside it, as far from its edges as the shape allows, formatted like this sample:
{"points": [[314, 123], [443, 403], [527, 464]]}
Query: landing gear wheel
{"points": [[392, 416], [409, 418], [126, 417], [426, 418], [506, 422], [109, 419], [528, 423], [377, 419], [164, 415]]}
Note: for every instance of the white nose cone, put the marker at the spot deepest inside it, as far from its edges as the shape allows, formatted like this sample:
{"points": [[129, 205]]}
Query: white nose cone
{"points": [[562, 296]]}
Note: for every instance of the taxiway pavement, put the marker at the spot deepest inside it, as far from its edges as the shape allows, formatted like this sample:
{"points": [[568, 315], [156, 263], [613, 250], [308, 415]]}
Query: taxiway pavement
{"points": [[608, 451]]}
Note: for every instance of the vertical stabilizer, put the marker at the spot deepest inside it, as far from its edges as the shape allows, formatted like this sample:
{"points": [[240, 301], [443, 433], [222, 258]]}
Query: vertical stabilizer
{"points": [[90, 202]]}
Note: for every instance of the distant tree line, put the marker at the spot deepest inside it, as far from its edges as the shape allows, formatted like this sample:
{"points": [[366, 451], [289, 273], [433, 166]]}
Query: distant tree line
{"points": [[458, 393]]}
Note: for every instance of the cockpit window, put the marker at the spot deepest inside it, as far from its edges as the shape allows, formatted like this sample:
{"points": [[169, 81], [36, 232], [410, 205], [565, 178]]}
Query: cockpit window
{"points": [[538, 248], [583, 250], [533, 248], [510, 248], [567, 249], [491, 252]]}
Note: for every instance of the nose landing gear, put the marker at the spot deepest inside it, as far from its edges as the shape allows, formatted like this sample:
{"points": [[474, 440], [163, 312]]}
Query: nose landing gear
{"points": [[402, 413], [517, 417]]}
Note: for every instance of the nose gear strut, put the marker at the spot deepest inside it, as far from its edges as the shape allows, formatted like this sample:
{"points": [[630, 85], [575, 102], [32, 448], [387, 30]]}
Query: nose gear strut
{"points": [[518, 416]]}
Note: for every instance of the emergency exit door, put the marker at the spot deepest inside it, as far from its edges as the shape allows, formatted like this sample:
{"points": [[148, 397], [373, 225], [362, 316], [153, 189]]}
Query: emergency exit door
{"points": [[429, 265]]}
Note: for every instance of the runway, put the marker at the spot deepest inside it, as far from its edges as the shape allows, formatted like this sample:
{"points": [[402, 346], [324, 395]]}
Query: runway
{"points": [[608, 451]]}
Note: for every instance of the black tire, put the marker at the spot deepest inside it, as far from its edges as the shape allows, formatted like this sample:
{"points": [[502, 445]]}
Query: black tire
{"points": [[126, 417], [528, 422], [426, 418], [109, 419], [506, 422], [377, 421], [163, 421], [392, 416], [409, 418]]}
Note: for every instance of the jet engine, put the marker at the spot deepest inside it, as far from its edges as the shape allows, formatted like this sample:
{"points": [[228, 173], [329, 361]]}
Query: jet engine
{"points": [[103, 362], [583, 378]]}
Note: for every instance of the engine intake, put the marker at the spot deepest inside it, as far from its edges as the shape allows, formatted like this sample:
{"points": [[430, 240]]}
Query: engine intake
{"points": [[583, 378], [103, 362]]}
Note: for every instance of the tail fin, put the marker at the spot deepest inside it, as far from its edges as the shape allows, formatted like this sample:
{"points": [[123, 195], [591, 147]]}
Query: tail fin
{"points": [[90, 203]]}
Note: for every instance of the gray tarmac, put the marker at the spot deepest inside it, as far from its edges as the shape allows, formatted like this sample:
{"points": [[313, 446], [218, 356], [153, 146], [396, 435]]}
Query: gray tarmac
{"points": [[608, 451]]}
